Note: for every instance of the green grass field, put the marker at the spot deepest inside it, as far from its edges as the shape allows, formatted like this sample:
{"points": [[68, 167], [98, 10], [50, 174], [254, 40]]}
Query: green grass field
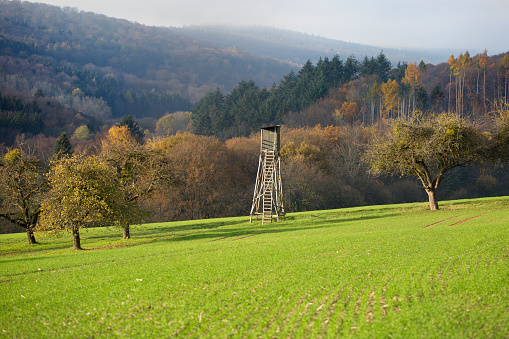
{"points": [[380, 271]]}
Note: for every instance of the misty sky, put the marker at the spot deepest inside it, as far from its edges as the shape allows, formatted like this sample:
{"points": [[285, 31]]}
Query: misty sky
{"points": [[472, 25]]}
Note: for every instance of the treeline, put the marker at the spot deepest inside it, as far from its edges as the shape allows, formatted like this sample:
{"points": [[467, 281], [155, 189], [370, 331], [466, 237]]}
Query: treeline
{"points": [[368, 92], [82, 70], [247, 106], [322, 168]]}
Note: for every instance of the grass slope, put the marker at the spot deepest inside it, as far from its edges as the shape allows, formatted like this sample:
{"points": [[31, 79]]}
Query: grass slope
{"points": [[383, 271]]}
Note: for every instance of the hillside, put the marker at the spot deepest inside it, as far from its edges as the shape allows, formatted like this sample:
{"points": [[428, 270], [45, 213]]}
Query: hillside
{"points": [[84, 68], [157, 56], [186, 62], [119, 67]]}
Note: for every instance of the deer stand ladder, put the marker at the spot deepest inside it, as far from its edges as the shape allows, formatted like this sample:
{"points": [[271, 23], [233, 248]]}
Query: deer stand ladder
{"points": [[267, 198]]}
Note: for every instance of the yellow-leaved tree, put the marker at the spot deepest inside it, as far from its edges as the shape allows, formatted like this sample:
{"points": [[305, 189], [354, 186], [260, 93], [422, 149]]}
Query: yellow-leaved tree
{"points": [[503, 69], [82, 192], [482, 61], [21, 186], [413, 79], [390, 91]]}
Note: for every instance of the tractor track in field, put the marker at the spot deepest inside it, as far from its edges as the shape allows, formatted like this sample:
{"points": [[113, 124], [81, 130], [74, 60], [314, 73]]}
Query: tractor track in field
{"points": [[462, 221], [441, 221], [242, 236], [453, 224]]}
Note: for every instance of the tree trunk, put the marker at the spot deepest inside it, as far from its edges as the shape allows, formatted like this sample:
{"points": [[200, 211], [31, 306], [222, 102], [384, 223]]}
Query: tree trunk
{"points": [[484, 92], [76, 238], [449, 104], [432, 197], [127, 234], [31, 236]]}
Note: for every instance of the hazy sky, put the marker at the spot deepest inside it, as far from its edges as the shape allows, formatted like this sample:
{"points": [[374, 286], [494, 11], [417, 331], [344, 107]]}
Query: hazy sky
{"points": [[472, 25]]}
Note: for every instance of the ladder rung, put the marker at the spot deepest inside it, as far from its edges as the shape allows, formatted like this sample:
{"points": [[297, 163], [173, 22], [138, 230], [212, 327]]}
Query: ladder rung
{"points": [[264, 201]]}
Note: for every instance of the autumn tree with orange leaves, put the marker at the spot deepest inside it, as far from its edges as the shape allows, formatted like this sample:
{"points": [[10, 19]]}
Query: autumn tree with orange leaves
{"points": [[413, 80], [350, 111], [140, 169]]}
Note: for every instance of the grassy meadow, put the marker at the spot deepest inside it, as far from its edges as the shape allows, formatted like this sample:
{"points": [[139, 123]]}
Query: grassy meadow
{"points": [[371, 272]]}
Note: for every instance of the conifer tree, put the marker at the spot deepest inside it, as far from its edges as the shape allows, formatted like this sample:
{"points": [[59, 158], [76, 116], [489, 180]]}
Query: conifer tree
{"points": [[132, 125], [383, 67], [62, 147]]}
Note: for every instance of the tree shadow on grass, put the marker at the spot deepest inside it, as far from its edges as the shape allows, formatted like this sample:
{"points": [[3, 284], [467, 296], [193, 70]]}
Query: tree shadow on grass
{"points": [[40, 247], [189, 226], [111, 234], [219, 230], [63, 242], [211, 231], [279, 227]]}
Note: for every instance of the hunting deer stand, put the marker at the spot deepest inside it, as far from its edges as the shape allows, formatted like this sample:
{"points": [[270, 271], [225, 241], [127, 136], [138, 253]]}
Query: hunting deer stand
{"points": [[268, 195]]}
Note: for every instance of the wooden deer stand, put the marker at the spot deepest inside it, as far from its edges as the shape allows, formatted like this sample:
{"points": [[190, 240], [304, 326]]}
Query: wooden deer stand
{"points": [[268, 194]]}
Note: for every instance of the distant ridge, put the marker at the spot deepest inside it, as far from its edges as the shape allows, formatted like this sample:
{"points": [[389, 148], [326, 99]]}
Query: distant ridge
{"points": [[297, 48]]}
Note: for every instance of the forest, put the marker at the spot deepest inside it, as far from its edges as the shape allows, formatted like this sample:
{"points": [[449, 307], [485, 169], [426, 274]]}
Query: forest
{"points": [[368, 92], [85, 68], [60, 85]]}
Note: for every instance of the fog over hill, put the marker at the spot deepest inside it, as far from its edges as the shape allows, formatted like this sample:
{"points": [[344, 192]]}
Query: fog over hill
{"points": [[297, 47]]}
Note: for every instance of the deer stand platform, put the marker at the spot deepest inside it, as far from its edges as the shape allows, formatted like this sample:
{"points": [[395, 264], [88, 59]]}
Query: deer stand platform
{"points": [[268, 195]]}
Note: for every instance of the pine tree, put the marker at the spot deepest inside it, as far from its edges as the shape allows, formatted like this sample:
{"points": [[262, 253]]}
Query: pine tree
{"points": [[383, 67], [436, 98], [132, 125], [62, 147]]}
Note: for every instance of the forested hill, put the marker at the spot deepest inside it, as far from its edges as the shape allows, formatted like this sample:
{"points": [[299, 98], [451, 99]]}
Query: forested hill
{"points": [[62, 69], [125, 58], [76, 68], [116, 59]]}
